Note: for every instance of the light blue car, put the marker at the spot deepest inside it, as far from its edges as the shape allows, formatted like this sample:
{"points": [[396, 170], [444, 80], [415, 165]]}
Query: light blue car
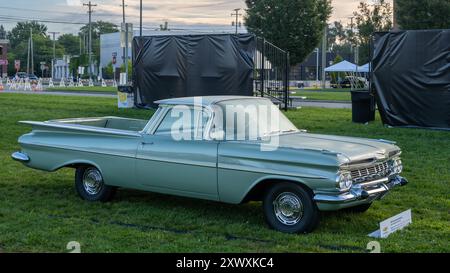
{"points": [[225, 149]]}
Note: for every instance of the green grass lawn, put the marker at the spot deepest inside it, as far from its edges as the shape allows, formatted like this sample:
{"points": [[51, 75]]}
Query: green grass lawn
{"points": [[84, 89], [342, 95], [40, 212]]}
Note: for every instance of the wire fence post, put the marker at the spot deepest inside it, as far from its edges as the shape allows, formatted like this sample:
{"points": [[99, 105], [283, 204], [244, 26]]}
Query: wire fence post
{"points": [[286, 84], [263, 67]]}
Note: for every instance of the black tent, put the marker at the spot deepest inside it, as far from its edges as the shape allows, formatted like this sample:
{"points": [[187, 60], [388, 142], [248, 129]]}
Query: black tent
{"points": [[192, 65], [411, 75]]}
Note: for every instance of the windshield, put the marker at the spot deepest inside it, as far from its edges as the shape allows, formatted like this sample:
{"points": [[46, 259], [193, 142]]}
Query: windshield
{"points": [[250, 119]]}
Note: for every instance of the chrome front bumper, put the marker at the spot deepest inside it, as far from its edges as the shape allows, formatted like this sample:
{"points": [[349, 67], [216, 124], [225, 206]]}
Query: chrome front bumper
{"points": [[21, 157], [368, 192]]}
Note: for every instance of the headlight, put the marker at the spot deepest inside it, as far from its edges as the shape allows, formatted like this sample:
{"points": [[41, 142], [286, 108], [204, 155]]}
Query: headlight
{"points": [[396, 166], [344, 181]]}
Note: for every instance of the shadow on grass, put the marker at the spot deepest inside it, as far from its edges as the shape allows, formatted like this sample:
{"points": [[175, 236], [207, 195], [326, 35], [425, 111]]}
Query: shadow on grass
{"points": [[137, 204]]}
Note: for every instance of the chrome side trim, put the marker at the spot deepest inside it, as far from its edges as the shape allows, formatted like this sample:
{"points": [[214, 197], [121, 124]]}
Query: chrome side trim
{"points": [[21, 157], [74, 149], [82, 128], [87, 119], [240, 168]]}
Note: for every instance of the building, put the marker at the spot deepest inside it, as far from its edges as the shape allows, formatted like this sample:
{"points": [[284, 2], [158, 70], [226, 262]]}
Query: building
{"points": [[307, 71], [61, 68], [3, 53]]}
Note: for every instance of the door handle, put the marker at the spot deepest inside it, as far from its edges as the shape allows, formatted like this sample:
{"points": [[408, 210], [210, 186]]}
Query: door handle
{"points": [[147, 143]]}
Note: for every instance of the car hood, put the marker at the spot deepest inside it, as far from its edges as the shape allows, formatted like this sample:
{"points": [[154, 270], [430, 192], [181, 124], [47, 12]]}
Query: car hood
{"points": [[355, 149]]}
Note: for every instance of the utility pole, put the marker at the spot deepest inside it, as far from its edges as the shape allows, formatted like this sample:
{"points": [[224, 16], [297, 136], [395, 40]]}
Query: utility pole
{"points": [[351, 38], [324, 56], [317, 66], [90, 5], [124, 51], [54, 50], [237, 15], [84, 43], [32, 52], [140, 18], [394, 11], [123, 10], [30, 56]]}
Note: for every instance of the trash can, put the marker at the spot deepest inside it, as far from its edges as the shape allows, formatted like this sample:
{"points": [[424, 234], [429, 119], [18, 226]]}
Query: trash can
{"points": [[363, 106]]}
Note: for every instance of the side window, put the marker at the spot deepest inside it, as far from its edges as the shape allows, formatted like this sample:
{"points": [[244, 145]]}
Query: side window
{"points": [[183, 123], [165, 127]]}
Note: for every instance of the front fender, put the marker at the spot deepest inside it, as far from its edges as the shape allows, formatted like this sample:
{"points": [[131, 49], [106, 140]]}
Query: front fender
{"points": [[234, 186], [310, 183]]}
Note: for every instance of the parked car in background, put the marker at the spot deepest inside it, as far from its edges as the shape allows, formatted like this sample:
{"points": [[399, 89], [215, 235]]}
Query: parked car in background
{"points": [[22, 75], [295, 174]]}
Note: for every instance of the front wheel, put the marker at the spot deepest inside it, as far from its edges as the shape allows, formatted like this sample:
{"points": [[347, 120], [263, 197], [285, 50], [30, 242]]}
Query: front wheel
{"points": [[90, 185], [289, 208]]}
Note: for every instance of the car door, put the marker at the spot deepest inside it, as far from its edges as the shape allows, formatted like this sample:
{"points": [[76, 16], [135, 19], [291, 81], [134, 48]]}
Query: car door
{"points": [[179, 162]]}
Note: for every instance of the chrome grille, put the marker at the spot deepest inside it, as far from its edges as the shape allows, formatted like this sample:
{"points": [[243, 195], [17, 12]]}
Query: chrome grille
{"points": [[371, 173]]}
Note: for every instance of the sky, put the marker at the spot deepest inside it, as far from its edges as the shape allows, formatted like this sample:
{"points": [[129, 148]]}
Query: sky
{"points": [[182, 14]]}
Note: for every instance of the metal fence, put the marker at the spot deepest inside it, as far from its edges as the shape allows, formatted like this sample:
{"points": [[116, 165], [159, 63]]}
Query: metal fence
{"points": [[271, 77]]}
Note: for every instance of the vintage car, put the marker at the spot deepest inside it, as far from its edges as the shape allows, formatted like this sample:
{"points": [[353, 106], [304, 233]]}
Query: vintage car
{"points": [[294, 173]]}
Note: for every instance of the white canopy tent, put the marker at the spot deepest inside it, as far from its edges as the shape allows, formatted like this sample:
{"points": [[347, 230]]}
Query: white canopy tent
{"points": [[364, 68], [353, 72], [343, 66]]}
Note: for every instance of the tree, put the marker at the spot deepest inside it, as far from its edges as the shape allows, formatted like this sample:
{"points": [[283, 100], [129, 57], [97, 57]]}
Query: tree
{"points": [[108, 71], [369, 20], [423, 14], [2, 33], [70, 43], [43, 52], [98, 28], [337, 34], [130, 69], [21, 32], [293, 25]]}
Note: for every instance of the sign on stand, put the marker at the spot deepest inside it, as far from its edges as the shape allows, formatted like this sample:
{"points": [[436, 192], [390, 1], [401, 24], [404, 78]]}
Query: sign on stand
{"points": [[391, 225], [125, 100]]}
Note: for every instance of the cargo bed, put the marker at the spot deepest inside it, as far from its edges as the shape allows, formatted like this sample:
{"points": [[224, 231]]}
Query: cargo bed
{"points": [[109, 125]]}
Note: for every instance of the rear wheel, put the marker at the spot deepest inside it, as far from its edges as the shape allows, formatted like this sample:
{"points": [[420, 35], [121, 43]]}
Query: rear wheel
{"points": [[90, 185], [289, 208]]}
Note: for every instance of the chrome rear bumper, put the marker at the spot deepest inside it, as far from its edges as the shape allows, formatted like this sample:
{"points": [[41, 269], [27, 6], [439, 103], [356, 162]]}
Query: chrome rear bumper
{"points": [[363, 192], [21, 157]]}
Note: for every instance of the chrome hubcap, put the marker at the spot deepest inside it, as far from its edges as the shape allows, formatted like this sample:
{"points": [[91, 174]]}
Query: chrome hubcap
{"points": [[288, 208], [92, 181]]}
